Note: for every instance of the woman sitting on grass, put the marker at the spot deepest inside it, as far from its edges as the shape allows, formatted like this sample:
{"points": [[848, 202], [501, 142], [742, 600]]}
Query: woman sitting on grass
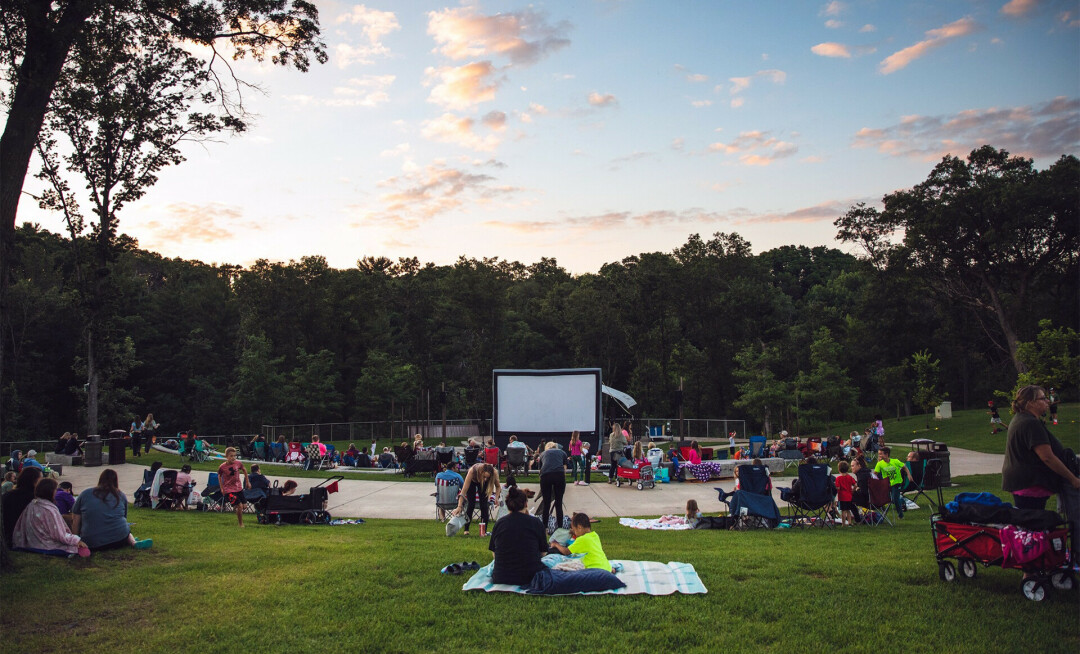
{"points": [[41, 528], [101, 516], [518, 542]]}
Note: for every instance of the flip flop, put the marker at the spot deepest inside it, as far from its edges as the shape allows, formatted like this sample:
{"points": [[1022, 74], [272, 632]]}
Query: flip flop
{"points": [[469, 566], [452, 569]]}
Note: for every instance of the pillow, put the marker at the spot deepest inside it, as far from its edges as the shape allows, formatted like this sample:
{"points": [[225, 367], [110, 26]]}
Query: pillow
{"points": [[564, 582]]}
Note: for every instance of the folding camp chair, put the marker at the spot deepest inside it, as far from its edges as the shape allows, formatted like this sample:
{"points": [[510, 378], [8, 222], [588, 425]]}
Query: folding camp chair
{"points": [[921, 475], [167, 495], [752, 505], [445, 456], [790, 457], [811, 504], [757, 447], [446, 498], [142, 494], [404, 455], [295, 455], [880, 502], [259, 450], [491, 455], [472, 454], [517, 460], [277, 452]]}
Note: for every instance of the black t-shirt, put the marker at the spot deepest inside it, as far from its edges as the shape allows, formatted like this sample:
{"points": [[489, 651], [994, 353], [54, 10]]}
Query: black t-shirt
{"points": [[259, 481], [1023, 468], [519, 542]]}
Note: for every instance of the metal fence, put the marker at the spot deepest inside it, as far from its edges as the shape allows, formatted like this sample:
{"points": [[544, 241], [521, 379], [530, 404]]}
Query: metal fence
{"points": [[396, 430]]}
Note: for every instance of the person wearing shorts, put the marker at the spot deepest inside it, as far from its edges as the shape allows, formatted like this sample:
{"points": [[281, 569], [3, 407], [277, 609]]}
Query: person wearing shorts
{"points": [[845, 488], [232, 488]]}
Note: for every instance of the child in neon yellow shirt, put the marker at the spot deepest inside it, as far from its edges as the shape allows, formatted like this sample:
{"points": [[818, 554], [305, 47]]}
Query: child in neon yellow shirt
{"points": [[586, 542]]}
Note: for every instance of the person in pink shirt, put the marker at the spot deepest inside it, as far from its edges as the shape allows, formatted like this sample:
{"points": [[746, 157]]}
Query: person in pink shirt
{"points": [[322, 448], [41, 528], [576, 464], [694, 457], [231, 487]]}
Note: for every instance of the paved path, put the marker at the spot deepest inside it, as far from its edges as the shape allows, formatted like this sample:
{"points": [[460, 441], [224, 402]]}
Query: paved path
{"points": [[406, 499]]}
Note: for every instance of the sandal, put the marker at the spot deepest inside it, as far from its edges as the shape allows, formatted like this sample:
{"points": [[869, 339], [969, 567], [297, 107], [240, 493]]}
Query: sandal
{"points": [[469, 566], [452, 569]]}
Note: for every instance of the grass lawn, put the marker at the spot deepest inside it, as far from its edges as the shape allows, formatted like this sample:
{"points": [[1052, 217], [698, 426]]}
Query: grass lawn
{"points": [[208, 586], [967, 429]]}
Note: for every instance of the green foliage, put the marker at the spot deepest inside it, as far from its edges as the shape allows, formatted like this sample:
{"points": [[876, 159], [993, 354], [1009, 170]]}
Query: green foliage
{"points": [[825, 391], [384, 383], [762, 395], [259, 388], [1049, 358], [926, 372]]}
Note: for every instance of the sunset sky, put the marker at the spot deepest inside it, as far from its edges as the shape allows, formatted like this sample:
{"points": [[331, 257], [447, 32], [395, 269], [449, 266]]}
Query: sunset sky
{"points": [[593, 130]]}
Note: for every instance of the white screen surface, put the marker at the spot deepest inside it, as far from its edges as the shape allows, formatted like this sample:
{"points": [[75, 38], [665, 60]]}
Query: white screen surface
{"points": [[546, 403]]}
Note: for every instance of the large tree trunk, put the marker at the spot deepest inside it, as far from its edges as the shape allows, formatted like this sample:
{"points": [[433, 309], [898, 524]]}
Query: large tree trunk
{"points": [[1007, 329], [92, 380], [47, 46]]}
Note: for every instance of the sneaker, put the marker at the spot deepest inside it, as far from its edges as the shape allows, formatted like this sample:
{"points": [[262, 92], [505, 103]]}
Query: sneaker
{"points": [[583, 483], [144, 544]]}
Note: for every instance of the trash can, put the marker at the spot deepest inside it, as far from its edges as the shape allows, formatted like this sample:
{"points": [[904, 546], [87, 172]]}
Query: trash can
{"points": [[941, 453], [92, 452], [117, 451]]}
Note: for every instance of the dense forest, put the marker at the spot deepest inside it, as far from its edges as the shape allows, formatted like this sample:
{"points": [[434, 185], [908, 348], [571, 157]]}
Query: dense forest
{"points": [[795, 337]]}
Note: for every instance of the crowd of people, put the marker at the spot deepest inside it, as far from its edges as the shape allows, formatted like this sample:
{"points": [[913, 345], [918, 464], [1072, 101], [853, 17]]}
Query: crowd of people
{"points": [[44, 516]]}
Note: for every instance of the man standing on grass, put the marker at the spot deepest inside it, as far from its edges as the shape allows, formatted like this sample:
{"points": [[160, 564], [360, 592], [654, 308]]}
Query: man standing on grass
{"points": [[232, 489], [893, 470]]}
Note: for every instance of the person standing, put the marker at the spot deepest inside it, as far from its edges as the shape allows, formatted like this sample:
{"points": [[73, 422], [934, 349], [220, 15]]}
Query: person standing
{"points": [[586, 460], [553, 481], [616, 450], [575, 457], [1053, 399], [232, 489], [149, 431], [895, 471], [136, 436], [1036, 464]]}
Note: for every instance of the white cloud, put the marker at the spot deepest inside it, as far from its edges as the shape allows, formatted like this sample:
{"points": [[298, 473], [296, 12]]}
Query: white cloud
{"points": [[834, 8], [737, 102], [756, 148], [867, 28], [833, 24], [458, 130], [605, 100], [374, 26]]}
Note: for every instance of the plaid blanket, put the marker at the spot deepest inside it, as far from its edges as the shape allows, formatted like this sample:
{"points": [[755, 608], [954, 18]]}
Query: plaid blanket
{"points": [[640, 577]]}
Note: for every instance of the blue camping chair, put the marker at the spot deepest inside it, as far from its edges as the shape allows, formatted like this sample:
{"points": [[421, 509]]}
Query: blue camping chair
{"points": [[809, 502], [757, 447], [752, 505]]}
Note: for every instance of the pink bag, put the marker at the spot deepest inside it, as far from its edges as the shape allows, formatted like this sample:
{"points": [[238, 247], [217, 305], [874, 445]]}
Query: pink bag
{"points": [[1021, 546]]}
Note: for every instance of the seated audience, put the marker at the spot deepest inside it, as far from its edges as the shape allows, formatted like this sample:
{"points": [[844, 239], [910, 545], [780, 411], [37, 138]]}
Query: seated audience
{"points": [[101, 516], [61, 444], [449, 476], [17, 499], [518, 542], [64, 498], [31, 461], [655, 455], [9, 482], [41, 529], [257, 478]]}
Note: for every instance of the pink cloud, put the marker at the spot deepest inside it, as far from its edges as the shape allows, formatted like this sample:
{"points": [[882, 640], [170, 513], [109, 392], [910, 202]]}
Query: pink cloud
{"points": [[523, 37], [597, 100], [462, 87], [421, 195], [449, 128], [831, 50], [935, 38], [199, 223], [1018, 8], [756, 148]]}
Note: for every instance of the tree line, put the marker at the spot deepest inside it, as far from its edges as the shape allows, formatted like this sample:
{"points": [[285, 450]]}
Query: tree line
{"points": [[966, 284]]}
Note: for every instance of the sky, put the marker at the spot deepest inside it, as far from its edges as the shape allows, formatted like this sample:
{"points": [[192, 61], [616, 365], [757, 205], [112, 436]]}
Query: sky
{"points": [[593, 130]]}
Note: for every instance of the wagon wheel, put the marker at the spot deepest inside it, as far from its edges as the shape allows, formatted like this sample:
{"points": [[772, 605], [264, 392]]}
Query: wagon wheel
{"points": [[307, 518], [618, 483], [1063, 580], [968, 568], [946, 571], [1033, 589], [640, 486]]}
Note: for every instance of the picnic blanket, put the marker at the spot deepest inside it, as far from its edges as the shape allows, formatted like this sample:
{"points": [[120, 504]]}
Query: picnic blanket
{"points": [[705, 470], [640, 577], [667, 523]]}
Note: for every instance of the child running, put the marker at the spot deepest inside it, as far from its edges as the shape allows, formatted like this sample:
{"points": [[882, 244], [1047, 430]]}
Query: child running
{"points": [[845, 486], [586, 542], [231, 487]]}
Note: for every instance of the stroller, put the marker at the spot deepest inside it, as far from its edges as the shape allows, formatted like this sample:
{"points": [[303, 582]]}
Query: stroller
{"points": [[629, 473], [309, 509], [1031, 540]]}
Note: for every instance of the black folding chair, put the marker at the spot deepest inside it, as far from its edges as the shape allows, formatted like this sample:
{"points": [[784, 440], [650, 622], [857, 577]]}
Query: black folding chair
{"points": [[813, 501]]}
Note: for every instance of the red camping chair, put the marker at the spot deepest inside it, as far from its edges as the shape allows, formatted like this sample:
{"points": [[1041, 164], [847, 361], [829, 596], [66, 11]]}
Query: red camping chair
{"points": [[491, 455]]}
